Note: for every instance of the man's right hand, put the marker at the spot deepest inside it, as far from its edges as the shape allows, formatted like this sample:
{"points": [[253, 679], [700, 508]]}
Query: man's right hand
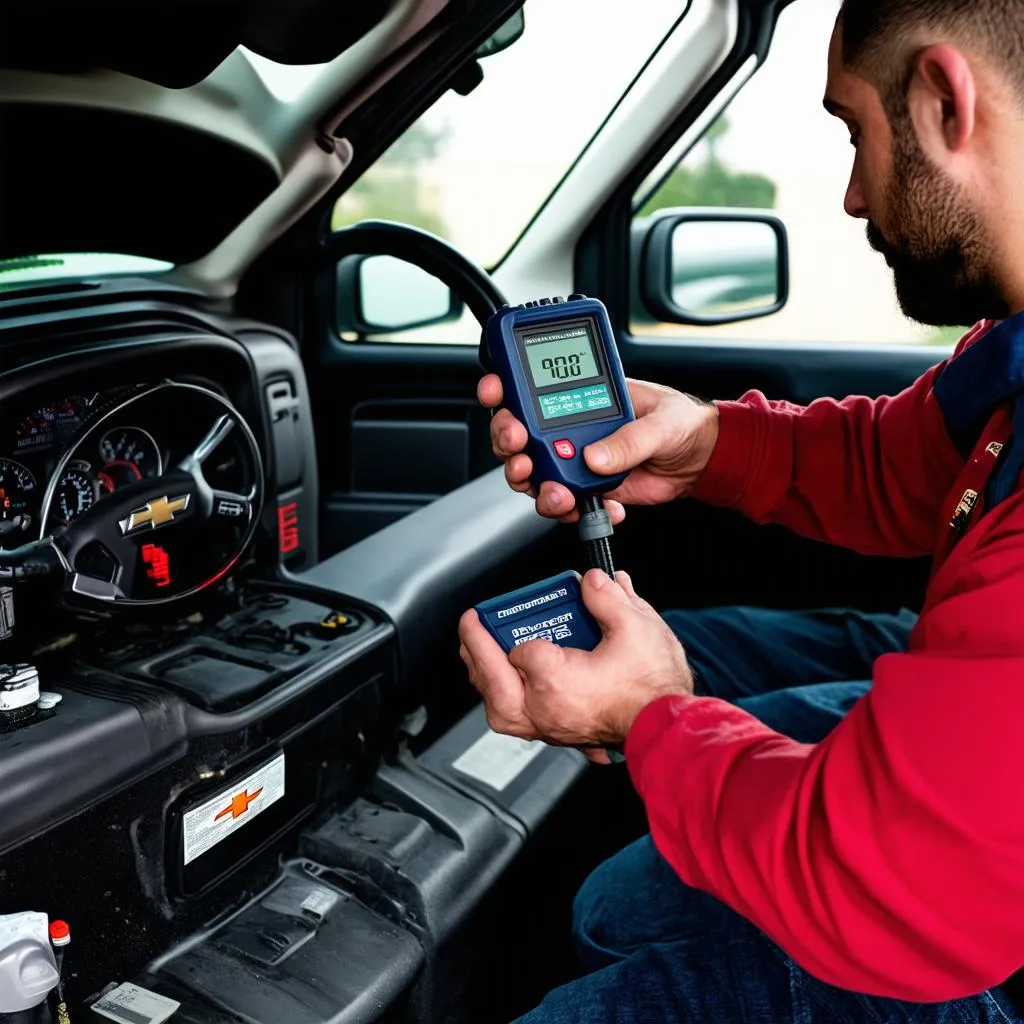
{"points": [[666, 448]]}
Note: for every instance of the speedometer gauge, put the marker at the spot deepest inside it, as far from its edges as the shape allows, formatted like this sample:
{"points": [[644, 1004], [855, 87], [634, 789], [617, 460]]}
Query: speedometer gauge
{"points": [[17, 493], [129, 454], [77, 491]]}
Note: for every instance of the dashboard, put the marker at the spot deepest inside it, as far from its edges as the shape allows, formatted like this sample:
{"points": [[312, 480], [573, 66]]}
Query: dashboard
{"points": [[117, 486]]}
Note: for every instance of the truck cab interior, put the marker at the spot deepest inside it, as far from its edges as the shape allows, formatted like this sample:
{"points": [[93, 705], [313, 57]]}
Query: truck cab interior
{"points": [[238, 751]]}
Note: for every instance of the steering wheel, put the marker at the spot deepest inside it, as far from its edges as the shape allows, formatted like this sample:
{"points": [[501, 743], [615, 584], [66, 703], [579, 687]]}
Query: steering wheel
{"points": [[162, 538], [428, 252]]}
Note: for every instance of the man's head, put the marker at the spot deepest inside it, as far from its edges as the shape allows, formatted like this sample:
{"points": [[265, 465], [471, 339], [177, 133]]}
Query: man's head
{"points": [[933, 94]]}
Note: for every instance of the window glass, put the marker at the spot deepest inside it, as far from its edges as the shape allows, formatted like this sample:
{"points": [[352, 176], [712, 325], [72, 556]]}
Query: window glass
{"points": [[474, 169], [55, 266]]}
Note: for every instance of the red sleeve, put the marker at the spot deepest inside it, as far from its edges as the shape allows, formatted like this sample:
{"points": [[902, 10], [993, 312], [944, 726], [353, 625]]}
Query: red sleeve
{"points": [[888, 859], [867, 474]]}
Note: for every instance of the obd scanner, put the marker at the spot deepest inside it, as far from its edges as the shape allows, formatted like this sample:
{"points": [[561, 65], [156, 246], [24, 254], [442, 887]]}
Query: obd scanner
{"points": [[552, 610], [562, 378]]}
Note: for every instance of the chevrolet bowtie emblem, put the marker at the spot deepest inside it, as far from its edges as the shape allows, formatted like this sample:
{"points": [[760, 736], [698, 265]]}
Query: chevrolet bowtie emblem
{"points": [[155, 513]]}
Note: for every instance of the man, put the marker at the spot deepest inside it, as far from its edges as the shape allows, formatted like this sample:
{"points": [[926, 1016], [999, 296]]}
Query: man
{"points": [[866, 860]]}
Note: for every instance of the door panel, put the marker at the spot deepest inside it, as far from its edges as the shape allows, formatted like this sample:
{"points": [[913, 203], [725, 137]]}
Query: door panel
{"points": [[404, 454], [397, 427]]}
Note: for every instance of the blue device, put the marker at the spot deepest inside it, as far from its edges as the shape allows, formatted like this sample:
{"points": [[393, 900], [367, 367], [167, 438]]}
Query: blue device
{"points": [[552, 610], [563, 379]]}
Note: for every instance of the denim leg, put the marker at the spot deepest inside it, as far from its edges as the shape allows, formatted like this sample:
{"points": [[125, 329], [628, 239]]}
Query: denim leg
{"points": [[743, 652], [721, 978], [659, 952], [635, 899], [806, 714], [740, 976]]}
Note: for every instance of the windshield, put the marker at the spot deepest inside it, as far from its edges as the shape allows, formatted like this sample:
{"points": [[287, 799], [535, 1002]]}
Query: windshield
{"points": [[475, 168], [73, 265]]}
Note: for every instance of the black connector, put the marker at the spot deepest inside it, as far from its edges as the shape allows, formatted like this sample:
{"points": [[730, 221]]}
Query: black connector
{"points": [[595, 529]]}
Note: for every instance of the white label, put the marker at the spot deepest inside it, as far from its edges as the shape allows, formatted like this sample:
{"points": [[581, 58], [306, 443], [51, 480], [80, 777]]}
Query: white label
{"points": [[129, 1004], [497, 760], [206, 825], [320, 901]]}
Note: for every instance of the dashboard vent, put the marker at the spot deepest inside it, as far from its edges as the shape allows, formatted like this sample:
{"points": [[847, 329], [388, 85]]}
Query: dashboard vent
{"points": [[12, 292]]}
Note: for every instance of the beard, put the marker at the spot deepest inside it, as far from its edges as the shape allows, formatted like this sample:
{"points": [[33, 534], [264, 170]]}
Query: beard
{"points": [[934, 244]]}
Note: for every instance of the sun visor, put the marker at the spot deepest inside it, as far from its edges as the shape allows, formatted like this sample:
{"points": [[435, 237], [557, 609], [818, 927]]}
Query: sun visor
{"points": [[176, 43], [81, 179]]}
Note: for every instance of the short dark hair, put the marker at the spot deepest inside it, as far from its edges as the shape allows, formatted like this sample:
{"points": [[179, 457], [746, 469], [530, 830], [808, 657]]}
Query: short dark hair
{"points": [[881, 38]]}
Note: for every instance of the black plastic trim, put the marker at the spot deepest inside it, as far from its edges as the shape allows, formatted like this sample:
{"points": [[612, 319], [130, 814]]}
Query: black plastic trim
{"points": [[94, 746], [55, 768], [423, 569]]}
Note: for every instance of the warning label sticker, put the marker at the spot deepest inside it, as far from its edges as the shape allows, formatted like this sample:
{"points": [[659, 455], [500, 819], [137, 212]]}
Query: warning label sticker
{"points": [[129, 1004], [497, 760], [220, 816]]}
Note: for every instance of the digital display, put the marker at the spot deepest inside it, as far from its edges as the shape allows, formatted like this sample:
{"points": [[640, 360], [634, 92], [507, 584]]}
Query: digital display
{"points": [[579, 400], [561, 356]]}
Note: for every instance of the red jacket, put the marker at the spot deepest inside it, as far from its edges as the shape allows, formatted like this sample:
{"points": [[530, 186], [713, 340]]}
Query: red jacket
{"points": [[888, 859]]}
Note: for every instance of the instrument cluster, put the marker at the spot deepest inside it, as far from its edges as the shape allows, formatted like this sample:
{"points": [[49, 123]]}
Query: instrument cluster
{"points": [[31, 449]]}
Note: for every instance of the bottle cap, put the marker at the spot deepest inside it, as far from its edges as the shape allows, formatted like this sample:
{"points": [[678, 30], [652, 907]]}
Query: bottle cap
{"points": [[60, 933]]}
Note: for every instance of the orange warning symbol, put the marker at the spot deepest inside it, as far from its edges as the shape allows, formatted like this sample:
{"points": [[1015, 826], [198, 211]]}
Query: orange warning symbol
{"points": [[239, 805]]}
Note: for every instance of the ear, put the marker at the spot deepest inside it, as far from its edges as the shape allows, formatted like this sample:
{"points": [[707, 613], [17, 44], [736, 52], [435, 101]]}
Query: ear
{"points": [[942, 100]]}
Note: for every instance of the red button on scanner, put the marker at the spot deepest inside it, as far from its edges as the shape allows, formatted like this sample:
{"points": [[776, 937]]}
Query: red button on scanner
{"points": [[565, 449]]}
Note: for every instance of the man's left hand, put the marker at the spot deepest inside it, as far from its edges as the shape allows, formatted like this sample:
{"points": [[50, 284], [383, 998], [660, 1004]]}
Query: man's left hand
{"points": [[574, 698]]}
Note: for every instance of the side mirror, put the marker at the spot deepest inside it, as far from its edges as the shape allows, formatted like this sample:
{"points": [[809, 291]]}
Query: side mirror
{"points": [[713, 266], [507, 34], [384, 294]]}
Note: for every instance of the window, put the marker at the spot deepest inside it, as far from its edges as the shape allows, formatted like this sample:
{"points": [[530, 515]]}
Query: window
{"points": [[57, 266], [775, 147], [474, 169]]}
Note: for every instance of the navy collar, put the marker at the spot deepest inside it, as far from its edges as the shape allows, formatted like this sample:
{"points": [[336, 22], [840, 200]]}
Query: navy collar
{"points": [[980, 379]]}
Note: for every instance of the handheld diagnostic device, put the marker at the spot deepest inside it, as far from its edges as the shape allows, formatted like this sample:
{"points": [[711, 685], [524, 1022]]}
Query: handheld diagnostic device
{"points": [[563, 380], [552, 610]]}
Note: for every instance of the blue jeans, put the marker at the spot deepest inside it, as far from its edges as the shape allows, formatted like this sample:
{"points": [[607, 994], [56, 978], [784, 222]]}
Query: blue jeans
{"points": [[658, 952]]}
